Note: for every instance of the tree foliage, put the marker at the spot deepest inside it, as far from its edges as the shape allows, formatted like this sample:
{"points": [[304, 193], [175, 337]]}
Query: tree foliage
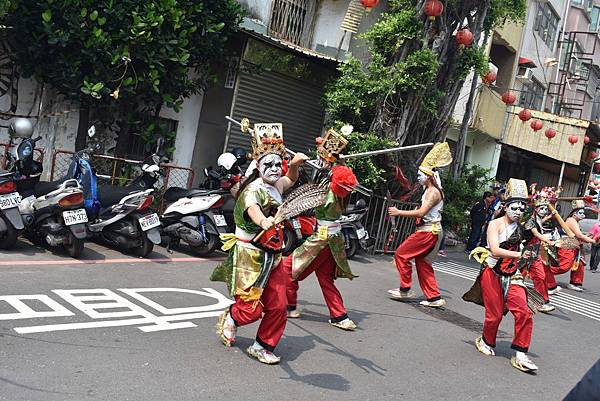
{"points": [[122, 54], [408, 89]]}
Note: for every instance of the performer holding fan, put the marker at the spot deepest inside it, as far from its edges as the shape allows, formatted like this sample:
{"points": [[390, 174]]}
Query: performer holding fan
{"points": [[500, 285], [422, 246], [253, 270], [323, 252]]}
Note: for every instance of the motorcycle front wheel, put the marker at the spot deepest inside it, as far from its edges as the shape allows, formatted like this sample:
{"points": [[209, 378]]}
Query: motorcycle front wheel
{"points": [[8, 239], [212, 243], [145, 248], [75, 246], [352, 248]]}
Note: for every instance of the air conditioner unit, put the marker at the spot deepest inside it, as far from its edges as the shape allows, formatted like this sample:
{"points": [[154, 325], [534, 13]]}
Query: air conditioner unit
{"points": [[524, 73]]}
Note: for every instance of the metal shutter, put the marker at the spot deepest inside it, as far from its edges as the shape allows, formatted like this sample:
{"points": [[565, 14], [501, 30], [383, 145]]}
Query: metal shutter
{"points": [[270, 97]]}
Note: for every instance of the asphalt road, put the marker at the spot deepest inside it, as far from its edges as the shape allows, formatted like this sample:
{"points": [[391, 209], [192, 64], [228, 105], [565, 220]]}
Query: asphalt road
{"points": [[113, 327]]}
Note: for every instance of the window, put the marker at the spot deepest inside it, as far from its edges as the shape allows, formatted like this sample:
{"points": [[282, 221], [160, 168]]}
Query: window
{"points": [[292, 20], [232, 68], [577, 2], [532, 95], [546, 23], [594, 18]]}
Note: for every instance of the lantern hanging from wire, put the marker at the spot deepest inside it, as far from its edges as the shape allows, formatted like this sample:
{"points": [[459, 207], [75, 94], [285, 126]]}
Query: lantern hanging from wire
{"points": [[592, 155], [586, 140], [525, 115], [573, 139], [550, 133], [433, 9], [536, 125], [489, 78], [464, 38], [509, 98], [369, 4]]}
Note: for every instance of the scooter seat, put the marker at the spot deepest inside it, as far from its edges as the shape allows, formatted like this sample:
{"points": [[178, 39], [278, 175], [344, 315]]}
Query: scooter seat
{"points": [[109, 195], [174, 193], [44, 188]]}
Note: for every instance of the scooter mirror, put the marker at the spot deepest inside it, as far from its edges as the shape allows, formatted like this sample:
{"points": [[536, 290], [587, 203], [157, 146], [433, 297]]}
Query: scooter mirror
{"points": [[97, 148], [92, 131], [361, 203]]}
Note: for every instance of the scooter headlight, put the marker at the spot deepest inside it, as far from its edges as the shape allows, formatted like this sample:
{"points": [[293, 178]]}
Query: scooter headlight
{"points": [[24, 150]]}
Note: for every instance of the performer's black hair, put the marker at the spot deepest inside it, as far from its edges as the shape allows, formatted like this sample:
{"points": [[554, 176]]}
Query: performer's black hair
{"points": [[435, 184]]}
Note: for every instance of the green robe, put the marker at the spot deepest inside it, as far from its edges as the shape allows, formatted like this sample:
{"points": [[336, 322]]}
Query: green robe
{"points": [[246, 270], [304, 255]]}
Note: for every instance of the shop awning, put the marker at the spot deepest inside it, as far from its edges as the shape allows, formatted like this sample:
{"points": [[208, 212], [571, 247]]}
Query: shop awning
{"points": [[525, 62]]}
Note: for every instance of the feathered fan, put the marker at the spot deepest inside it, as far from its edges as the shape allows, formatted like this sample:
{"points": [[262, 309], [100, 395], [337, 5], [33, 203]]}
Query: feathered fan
{"points": [[303, 198]]}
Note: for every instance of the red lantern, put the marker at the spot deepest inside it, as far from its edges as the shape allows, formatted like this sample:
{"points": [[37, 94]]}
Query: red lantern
{"points": [[550, 133], [525, 115], [464, 38], [489, 78], [433, 9], [369, 4], [509, 98], [573, 139], [592, 155], [536, 125], [586, 140]]}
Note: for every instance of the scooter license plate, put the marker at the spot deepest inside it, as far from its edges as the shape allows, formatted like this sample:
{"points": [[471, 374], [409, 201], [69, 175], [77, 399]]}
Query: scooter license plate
{"points": [[10, 200], [296, 224], [361, 233], [75, 217], [220, 220], [150, 221]]}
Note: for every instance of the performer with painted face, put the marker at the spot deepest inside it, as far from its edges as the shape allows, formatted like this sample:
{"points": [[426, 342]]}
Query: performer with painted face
{"points": [[500, 285], [324, 252], [253, 270], [571, 258], [422, 246], [545, 232]]}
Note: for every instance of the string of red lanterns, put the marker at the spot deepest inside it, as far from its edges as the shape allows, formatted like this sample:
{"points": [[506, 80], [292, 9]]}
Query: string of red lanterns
{"points": [[509, 98], [536, 125], [550, 133], [369, 4], [464, 38], [433, 9], [573, 139], [525, 115]]}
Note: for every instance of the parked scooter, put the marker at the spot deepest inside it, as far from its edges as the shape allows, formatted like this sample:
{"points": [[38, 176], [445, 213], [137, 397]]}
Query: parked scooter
{"points": [[296, 230], [120, 216], [354, 232], [199, 216], [11, 223], [52, 211]]}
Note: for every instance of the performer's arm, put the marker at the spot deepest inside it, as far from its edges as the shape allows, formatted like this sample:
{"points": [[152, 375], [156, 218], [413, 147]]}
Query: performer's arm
{"points": [[285, 183], [257, 216], [494, 244], [539, 236], [432, 198], [574, 226]]}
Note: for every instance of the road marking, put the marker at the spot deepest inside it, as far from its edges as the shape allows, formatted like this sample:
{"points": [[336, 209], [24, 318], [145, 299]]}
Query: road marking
{"points": [[563, 300], [103, 261], [114, 310]]}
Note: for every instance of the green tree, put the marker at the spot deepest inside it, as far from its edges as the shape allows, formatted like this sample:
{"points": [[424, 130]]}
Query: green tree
{"points": [[122, 56], [408, 90]]}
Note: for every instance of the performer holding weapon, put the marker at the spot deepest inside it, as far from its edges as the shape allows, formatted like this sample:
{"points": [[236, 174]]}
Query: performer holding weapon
{"points": [[422, 246], [253, 270]]}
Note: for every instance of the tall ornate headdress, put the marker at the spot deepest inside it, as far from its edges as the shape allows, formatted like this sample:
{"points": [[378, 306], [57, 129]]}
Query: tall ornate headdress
{"points": [[333, 143], [439, 156], [545, 196], [266, 138], [516, 191], [578, 204]]}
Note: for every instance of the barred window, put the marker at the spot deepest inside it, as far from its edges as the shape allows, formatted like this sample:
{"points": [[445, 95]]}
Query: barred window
{"points": [[292, 20], [532, 95], [546, 23]]}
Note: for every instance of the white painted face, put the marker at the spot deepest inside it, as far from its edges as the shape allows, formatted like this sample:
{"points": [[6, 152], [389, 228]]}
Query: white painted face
{"points": [[580, 214], [543, 211], [270, 168], [515, 211], [422, 177]]}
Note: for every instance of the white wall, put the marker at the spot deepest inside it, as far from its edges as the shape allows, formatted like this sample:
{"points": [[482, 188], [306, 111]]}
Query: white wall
{"points": [[329, 18], [259, 9]]}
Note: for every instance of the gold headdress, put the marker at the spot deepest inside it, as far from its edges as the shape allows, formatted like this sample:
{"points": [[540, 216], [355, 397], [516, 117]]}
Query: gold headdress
{"points": [[578, 204], [333, 143], [439, 156], [266, 138], [516, 191]]}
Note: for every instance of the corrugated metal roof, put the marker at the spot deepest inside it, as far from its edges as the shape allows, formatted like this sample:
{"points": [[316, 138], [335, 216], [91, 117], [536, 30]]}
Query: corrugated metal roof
{"points": [[251, 28]]}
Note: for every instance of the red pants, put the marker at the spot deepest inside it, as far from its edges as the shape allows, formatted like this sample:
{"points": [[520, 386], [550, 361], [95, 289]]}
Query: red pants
{"points": [[272, 304], [324, 267], [537, 272], [566, 257], [516, 303], [417, 247]]}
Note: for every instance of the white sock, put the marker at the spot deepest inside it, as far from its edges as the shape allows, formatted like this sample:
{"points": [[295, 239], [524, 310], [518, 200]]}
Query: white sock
{"points": [[257, 346], [229, 320], [521, 355]]}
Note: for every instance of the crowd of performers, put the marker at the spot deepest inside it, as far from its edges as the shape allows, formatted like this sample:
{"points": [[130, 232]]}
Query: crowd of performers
{"points": [[264, 285]]}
